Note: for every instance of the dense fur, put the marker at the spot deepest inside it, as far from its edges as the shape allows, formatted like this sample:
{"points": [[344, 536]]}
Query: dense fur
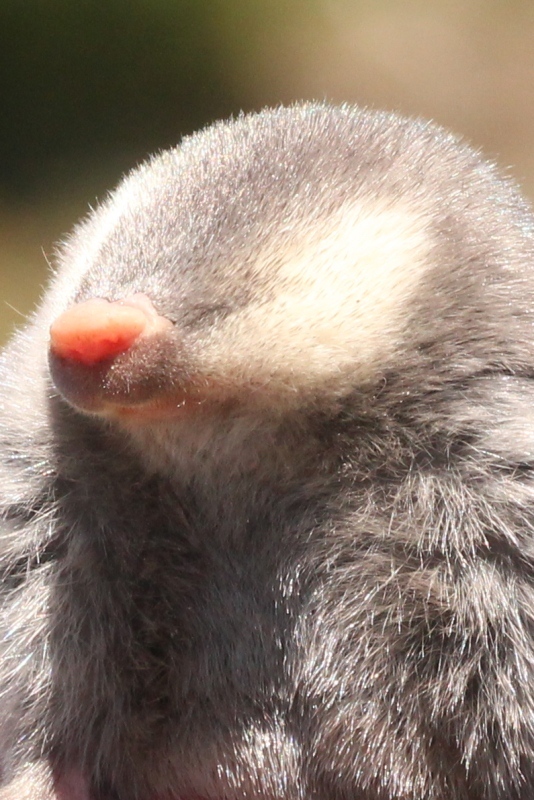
{"points": [[318, 582]]}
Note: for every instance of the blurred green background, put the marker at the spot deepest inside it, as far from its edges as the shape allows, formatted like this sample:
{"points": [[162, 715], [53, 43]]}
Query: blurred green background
{"points": [[89, 87]]}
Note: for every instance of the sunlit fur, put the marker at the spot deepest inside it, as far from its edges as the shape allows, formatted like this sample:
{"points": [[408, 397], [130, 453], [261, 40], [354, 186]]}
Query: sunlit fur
{"points": [[314, 580]]}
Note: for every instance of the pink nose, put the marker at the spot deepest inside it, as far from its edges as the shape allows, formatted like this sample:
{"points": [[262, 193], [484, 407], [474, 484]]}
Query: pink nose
{"points": [[97, 329]]}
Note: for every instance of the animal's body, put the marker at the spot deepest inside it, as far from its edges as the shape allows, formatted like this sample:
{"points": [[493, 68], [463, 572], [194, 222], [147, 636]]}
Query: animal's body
{"points": [[279, 541]]}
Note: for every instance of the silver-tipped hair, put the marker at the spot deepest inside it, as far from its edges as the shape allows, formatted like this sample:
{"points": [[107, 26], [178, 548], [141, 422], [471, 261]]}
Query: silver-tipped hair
{"points": [[312, 575]]}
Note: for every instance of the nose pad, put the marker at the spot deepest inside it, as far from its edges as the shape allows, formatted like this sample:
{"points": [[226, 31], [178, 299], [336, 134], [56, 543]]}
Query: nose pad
{"points": [[97, 329]]}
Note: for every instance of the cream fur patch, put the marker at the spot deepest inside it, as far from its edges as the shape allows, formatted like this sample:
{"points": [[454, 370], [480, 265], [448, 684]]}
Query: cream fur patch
{"points": [[340, 303]]}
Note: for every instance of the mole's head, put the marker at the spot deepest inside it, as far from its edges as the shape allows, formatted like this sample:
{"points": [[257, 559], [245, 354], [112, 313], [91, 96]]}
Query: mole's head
{"points": [[281, 259]]}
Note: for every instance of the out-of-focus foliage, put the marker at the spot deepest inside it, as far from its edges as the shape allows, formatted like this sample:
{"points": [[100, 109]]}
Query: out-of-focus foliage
{"points": [[110, 80], [89, 87], [86, 80]]}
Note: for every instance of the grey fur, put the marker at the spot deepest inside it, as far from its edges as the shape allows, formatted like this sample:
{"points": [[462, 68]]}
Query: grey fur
{"points": [[330, 596]]}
